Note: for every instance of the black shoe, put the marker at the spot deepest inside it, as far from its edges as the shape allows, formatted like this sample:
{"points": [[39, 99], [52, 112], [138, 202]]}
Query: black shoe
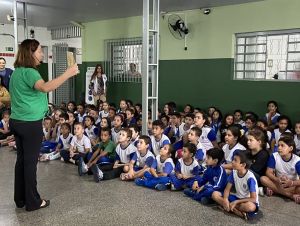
{"points": [[47, 203]]}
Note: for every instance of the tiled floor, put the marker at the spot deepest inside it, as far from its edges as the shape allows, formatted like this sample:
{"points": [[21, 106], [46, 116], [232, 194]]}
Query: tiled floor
{"points": [[79, 201]]}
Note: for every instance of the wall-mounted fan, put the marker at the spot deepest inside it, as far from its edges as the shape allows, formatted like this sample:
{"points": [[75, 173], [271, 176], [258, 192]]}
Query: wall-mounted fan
{"points": [[177, 26]]}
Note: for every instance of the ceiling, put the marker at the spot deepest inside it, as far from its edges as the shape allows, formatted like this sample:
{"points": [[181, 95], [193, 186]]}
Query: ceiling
{"points": [[60, 12]]}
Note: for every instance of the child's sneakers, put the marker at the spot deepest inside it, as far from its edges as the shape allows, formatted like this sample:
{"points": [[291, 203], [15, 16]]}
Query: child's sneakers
{"points": [[261, 191], [82, 167], [161, 187], [139, 182], [98, 174], [189, 192]]}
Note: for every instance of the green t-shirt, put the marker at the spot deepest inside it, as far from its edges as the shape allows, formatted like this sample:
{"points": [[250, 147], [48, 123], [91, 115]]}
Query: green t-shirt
{"points": [[109, 147], [27, 103]]}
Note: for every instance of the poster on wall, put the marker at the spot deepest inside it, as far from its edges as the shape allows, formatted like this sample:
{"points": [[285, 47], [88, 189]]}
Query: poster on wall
{"points": [[89, 99]]}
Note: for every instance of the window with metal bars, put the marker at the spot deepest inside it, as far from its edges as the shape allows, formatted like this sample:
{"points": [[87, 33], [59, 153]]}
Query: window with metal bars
{"points": [[273, 55], [123, 60]]}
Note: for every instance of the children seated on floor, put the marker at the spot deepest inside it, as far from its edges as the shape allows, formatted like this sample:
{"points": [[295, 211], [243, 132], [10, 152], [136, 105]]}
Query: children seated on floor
{"points": [[214, 178], [244, 202]]}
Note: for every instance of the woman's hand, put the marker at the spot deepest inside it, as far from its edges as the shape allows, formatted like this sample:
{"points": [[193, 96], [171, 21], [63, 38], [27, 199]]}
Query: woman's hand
{"points": [[73, 70]]}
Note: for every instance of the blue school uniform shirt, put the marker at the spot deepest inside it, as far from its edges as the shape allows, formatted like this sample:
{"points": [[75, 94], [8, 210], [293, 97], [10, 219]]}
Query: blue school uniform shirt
{"points": [[214, 177], [187, 170], [290, 168], [2, 123], [244, 185], [166, 166], [91, 133]]}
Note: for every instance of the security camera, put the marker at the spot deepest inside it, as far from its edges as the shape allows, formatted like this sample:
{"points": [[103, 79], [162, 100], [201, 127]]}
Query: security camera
{"points": [[207, 11]]}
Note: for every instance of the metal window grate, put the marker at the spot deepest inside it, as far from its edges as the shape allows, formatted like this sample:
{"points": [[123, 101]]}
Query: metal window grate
{"points": [[66, 91], [65, 32], [268, 55], [123, 59]]}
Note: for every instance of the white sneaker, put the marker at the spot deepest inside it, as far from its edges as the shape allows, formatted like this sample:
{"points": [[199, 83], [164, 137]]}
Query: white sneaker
{"points": [[84, 168], [261, 191]]}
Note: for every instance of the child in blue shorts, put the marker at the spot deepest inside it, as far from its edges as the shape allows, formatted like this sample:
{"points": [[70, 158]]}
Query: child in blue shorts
{"points": [[214, 178], [244, 202], [186, 170]]}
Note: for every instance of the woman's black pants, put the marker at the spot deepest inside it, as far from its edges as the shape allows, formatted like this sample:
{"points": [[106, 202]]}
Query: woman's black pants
{"points": [[28, 136]]}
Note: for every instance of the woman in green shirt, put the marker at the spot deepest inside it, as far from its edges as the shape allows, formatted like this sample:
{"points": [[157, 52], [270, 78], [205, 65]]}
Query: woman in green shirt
{"points": [[29, 105]]}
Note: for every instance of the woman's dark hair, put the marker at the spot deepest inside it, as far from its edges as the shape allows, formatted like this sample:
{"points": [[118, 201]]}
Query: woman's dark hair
{"points": [[1, 58], [108, 121], [25, 54], [205, 117], [191, 107], [95, 71], [224, 119], [220, 114], [235, 130]]}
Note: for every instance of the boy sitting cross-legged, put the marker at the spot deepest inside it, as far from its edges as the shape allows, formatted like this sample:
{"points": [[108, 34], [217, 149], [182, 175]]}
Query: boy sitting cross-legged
{"points": [[214, 178], [159, 175], [143, 159], [187, 169], [244, 202]]}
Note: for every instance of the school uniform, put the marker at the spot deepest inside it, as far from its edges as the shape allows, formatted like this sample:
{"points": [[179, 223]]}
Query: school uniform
{"points": [[162, 166], [273, 119], [79, 145], [207, 137], [115, 135], [290, 168], [103, 114], [213, 179], [243, 186], [91, 133], [156, 145], [143, 160], [192, 171], [297, 142], [183, 130], [229, 153]]}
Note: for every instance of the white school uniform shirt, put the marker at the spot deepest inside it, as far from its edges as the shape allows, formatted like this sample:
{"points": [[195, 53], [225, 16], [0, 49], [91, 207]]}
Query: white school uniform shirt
{"points": [[244, 185], [161, 165], [204, 138], [125, 153], [103, 114], [182, 131], [92, 132], [115, 135], [81, 144], [158, 144], [276, 134], [141, 160], [290, 169], [65, 142], [228, 153], [297, 141], [188, 170], [80, 118], [45, 132]]}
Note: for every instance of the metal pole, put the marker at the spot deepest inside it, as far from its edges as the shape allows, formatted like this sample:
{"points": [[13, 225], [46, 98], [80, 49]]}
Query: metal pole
{"points": [[16, 26], [25, 20], [145, 71]]}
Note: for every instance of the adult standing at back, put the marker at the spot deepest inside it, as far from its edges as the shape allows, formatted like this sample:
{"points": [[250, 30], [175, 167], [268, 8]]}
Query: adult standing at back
{"points": [[5, 73], [29, 105], [98, 84]]}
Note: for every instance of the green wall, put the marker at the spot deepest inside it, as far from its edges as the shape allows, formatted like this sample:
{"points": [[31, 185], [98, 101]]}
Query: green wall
{"points": [[205, 70]]}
